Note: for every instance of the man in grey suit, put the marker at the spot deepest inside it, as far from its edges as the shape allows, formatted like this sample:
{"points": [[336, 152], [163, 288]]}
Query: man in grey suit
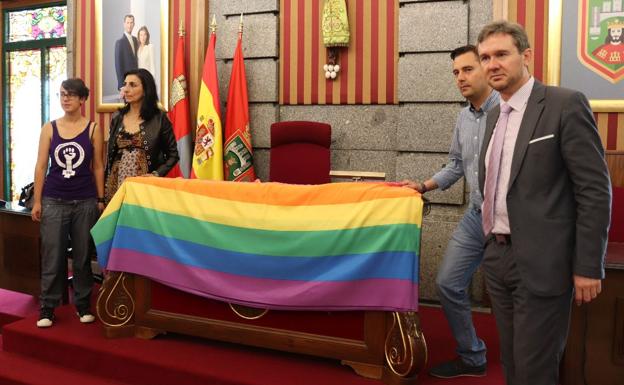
{"points": [[546, 209], [125, 51]]}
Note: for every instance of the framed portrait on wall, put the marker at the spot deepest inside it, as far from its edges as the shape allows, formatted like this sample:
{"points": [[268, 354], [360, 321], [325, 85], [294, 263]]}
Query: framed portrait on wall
{"points": [[586, 50], [130, 34]]}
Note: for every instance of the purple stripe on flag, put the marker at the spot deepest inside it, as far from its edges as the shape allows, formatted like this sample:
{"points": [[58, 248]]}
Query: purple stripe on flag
{"points": [[375, 294]]}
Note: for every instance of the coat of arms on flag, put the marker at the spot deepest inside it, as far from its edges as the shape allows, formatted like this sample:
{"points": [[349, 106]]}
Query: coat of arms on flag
{"points": [[205, 139], [601, 37]]}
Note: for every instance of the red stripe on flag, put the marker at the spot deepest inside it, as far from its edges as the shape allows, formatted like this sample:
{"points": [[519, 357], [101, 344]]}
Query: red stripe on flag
{"points": [[612, 127], [390, 52], [359, 51], [286, 58], [301, 21], [374, 59], [179, 114], [540, 20], [314, 88], [237, 149]]}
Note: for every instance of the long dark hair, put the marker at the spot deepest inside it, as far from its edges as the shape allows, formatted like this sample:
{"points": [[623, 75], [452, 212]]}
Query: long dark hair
{"points": [[149, 106]]}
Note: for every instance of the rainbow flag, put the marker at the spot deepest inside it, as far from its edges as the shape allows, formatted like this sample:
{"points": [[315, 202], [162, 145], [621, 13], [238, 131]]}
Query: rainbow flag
{"points": [[339, 246]]}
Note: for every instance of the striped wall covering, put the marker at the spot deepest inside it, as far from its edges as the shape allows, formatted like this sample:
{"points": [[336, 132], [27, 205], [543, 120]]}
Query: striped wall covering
{"points": [[368, 73], [85, 60], [533, 15]]}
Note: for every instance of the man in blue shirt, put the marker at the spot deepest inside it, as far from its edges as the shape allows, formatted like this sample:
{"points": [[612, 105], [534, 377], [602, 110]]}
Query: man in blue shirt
{"points": [[465, 249]]}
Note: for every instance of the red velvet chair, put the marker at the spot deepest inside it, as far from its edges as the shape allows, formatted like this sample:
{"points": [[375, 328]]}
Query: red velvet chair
{"points": [[300, 152]]}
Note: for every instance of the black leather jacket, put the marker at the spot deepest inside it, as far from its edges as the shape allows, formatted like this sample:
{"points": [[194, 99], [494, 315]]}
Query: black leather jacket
{"points": [[159, 143]]}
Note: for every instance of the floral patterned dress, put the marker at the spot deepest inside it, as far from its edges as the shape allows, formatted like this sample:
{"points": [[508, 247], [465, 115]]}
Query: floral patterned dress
{"points": [[130, 160]]}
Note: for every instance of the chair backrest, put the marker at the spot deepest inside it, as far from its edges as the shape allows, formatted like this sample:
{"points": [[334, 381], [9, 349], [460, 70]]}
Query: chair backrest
{"points": [[300, 152]]}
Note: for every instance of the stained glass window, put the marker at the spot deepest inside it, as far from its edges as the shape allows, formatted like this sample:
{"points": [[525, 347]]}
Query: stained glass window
{"points": [[57, 72], [25, 112], [35, 24], [34, 45]]}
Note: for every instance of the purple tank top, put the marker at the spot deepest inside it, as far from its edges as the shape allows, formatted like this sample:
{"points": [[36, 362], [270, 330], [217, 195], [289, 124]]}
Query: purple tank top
{"points": [[70, 176]]}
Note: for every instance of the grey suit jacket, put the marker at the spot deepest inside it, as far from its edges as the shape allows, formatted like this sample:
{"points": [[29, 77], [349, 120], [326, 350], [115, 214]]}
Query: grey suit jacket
{"points": [[559, 197]]}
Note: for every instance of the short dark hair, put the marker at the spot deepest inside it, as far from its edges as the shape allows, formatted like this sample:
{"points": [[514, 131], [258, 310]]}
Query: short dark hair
{"points": [[149, 106], [76, 86], [464, 49], [147, 35], [517, 33], [131, 16]]}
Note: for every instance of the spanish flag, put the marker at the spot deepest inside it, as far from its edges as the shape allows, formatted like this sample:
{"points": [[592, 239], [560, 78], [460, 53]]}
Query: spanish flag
{"points": [[208, 151], [238, 157]]}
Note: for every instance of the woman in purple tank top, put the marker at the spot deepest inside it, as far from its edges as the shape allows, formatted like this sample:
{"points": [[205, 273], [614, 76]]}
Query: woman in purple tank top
{"points": [[67, 201]]}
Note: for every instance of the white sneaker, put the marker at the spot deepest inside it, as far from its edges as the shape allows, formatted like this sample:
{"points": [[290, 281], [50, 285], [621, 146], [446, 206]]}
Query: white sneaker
{"points": [[46, 318], [86, 318], [44, 323]]}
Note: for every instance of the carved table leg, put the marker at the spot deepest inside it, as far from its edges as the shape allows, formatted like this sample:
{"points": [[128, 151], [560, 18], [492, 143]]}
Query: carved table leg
{"points": [[115, 305], [405, 349]]}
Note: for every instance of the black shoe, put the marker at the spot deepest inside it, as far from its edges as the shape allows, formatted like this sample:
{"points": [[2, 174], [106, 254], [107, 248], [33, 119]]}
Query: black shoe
{"points": [[457, 368], [46, 317]]}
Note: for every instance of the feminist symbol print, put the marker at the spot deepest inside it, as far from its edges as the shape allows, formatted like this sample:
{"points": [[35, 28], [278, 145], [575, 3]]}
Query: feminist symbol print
{"points": [[68, 151]]}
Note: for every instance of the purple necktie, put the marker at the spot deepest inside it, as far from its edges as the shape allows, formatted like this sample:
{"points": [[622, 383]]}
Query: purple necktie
{"points": [[493, 169]]}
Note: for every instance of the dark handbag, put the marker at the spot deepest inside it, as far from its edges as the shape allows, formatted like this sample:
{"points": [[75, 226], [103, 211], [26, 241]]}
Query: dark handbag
{"points": [[27, 196]]}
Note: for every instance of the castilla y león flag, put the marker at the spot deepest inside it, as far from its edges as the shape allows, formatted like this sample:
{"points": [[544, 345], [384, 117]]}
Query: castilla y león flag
{"points": [[238, 153], [179, 114], [208, 151]]}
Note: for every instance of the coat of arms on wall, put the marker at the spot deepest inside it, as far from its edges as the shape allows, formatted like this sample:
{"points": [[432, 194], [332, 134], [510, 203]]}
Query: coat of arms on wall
{"points": [[601, 37]]}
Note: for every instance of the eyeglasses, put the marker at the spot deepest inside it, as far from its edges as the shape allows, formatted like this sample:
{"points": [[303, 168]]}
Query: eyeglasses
{"points": [[69, 95]]}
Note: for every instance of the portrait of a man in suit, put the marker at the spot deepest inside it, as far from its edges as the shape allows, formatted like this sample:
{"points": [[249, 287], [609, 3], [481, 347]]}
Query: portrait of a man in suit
{"points": [[125, 51]]}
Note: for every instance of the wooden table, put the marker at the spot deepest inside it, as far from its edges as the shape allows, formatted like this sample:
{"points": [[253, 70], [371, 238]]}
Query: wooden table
{"points": [[595, 350], [377, 344], [20, 262]]}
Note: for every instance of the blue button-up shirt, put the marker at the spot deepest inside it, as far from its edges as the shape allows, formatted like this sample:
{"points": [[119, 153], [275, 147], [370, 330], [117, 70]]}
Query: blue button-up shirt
{"points": [[465, 149]]}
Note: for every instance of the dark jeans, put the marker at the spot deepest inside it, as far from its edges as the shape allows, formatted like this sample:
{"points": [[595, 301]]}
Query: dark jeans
{"points": [[60, 221]]}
